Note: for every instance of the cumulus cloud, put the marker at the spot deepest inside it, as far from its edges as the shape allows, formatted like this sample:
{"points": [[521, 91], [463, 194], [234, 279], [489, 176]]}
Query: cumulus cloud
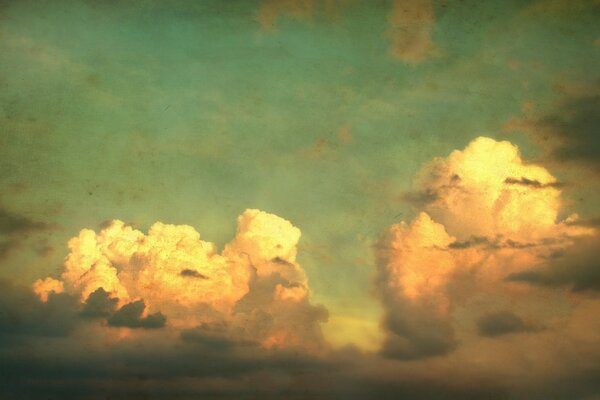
{"points": [[477, 194], [169, 309], [171, 276], [413, 268], [489, 215], [444, 290]]}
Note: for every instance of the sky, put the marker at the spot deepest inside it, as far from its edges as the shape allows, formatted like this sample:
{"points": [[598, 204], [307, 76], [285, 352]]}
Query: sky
{"points": [[299, 199]]}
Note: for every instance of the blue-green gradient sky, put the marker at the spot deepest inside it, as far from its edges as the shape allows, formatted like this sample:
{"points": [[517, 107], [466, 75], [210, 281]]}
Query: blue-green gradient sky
{"points": [[190, 112]]}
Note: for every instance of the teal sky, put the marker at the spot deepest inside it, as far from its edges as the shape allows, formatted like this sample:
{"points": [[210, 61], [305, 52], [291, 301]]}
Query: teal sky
{"points": [[191, 112]]}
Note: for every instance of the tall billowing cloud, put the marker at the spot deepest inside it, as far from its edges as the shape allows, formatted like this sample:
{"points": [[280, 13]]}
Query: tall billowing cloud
{"points": [[254, 286], [412, 271], [487, 190], [485, 214]]}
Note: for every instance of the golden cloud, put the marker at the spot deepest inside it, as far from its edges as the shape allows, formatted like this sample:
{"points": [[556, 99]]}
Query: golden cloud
{"points": [[176, 273], [488, 215]]}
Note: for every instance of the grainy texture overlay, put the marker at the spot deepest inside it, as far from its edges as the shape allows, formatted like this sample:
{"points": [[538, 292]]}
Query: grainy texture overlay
{"points": [[300, 199]]}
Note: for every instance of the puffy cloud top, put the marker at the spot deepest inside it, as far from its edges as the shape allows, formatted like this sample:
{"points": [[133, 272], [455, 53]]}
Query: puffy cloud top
{"points": [[487, 215], [170, 274], [476, 192]]}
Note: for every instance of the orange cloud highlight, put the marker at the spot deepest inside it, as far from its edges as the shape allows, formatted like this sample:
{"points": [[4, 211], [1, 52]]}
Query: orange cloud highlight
{"points": [[254, 281], [487, 214]]}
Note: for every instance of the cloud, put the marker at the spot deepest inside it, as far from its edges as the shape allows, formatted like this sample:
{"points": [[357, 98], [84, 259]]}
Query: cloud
{"points": [[22, 314], [43, 287], [130, 316], [217, 337], [99, 304], [482, 225], [577, 266], [11, 223], [330, 146], [411, 24], [170, 276], [272, 10], [419, 199], [590, 222], [192, 273], [14, 228], [573, 128], [487, 190], [532, 183], [568, 132], [268, 344], [502, 323], [412, 271], [239, 321]]}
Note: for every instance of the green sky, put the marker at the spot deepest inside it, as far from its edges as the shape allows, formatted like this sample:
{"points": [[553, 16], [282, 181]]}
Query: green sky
{"points": [[191, 112]]}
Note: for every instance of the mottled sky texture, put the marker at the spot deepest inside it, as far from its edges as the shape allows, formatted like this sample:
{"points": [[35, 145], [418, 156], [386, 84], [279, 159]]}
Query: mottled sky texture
{"points": [[300, 199]]}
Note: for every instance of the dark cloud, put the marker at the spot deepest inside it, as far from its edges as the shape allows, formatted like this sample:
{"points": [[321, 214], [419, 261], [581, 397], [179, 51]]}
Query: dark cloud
{"points": [[13, 228], [577, 266], [532, 183], [420, 198], [215, 337], [130, 316], [281, 261], [590, 222], [502, 323], [496, 243], [159, 368], [192, 273], [214, 361], [11, 223], [416, 334], [23, 314], [569, 132], [472, 242], [576, 124], [99, 304]]}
